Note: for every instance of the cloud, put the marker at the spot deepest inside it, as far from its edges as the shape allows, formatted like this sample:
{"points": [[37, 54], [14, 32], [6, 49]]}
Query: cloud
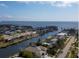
{"points": [[63, 3], [3, 5], [13, 17], [6, 17], [52, 3]]}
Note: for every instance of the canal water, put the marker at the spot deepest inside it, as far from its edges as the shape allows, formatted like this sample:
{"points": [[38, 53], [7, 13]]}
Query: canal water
{"points": [[11, 50]]}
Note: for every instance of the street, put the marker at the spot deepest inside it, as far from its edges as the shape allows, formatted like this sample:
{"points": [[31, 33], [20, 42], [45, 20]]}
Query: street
{"points": [[66, 49]]}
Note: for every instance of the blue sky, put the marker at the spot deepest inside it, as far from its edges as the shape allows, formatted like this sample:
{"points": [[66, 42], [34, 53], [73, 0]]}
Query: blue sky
{"points": [[39, 11]]}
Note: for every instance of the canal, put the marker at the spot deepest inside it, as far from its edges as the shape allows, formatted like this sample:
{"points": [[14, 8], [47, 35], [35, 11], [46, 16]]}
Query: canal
{"points": [[11, 50]]}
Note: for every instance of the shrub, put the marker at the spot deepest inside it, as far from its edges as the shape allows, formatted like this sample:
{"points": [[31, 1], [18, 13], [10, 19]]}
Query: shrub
{"points": [[52, 50], [26, 54]]}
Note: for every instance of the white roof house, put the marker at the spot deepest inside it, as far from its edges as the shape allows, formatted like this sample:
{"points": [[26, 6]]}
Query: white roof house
{"points": [[61, 34], [34, 32], [54, 40], [45, 43]]}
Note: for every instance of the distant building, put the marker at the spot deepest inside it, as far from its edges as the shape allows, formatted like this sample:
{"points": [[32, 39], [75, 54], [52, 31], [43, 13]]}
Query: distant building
{"points": [[18, 31], [7, 32]]}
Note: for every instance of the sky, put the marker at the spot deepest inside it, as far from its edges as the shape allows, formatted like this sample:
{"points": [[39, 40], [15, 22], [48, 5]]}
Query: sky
{"points": [[39, 10]]}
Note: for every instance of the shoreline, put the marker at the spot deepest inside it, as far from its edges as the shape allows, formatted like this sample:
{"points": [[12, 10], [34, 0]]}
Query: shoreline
{"points": [[16, 42], [12, 44]]}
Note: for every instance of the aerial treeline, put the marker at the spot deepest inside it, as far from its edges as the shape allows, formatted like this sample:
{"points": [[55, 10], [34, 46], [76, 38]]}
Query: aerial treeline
{"points": [[43, 30], [10, 27], [71, 31]]}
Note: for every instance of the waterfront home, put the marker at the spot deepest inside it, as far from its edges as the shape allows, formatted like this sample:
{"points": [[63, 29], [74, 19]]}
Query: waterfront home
{"points": [[8, 38], [40, 51], [45, 43], [16, 35], [28, 33], [34, 32], [61, 35]]}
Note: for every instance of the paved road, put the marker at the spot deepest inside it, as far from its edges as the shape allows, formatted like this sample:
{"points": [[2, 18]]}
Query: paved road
{"points": [[66, 49]]}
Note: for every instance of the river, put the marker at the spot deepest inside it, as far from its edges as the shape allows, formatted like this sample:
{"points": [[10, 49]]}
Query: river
{"points": [[11, 50]]}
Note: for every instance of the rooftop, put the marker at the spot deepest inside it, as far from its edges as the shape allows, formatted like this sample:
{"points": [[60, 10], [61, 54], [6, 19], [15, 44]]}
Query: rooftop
{"points": [[62, 33], [54, 40]]}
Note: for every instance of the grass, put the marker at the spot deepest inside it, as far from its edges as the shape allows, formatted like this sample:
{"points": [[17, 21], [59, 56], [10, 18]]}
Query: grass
{"points": [[72, 53], [1, 36]]}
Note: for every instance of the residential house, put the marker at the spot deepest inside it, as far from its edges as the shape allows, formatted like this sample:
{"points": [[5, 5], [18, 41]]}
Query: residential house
{"points": [[40, 51], [61, 35], [54, 41], [45, 43]]}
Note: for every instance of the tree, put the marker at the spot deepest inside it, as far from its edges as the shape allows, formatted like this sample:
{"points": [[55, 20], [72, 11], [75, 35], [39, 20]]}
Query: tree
{"points": [[1, 37], [77, 35], [26, 54], [51, 51], [60, 43], [72, 31], [38, 42]]}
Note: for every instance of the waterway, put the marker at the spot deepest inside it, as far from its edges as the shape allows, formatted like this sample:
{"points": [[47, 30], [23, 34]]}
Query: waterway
{"points": [[11, 50]]}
